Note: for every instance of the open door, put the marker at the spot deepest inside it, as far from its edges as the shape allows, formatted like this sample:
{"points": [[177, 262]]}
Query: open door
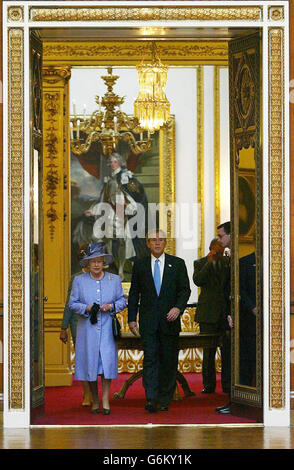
{"points": [[246, 221], [36, 238]]}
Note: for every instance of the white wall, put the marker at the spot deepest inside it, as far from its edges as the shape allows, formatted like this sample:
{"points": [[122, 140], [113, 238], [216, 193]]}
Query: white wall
{"points": [[86, 83], [182, 93]]}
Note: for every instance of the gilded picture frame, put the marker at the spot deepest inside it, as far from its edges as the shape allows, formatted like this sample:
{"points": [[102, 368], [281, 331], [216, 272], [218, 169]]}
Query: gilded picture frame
{"points": [[154, 169]]}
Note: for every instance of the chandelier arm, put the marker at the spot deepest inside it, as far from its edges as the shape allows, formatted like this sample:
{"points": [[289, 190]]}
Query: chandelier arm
{"points": [[131, 122], [136, 147], [108, 127], [79, 148]]}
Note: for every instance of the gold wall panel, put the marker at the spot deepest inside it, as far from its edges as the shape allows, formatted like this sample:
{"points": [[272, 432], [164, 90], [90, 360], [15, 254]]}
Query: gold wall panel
{"points": [[276, 221], [132, 52], [58, 371], [166, 13], [56, 222], [15, 235]]}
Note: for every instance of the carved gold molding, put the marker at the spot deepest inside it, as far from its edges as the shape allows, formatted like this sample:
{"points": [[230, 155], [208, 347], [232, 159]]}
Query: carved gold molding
{"points": [[56, 74], [216, 146], [168, 13], [15, 197], [53, 138], [277, 211], [132, 52], [200, 161], [16, 244], [167, 184]]}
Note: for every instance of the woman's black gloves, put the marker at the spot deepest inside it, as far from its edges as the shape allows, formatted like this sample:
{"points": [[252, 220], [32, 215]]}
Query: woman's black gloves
{"points": [[93, 313]]}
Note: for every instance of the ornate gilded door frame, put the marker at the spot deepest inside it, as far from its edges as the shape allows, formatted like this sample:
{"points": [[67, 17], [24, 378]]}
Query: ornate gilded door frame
{"points": [[273, 21], [245, 124]]}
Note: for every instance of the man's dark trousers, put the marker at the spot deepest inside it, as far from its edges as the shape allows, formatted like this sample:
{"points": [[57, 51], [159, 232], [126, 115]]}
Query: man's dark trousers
{"points": [[211, 313], [208, 361], [160, 337], [160, 366]]}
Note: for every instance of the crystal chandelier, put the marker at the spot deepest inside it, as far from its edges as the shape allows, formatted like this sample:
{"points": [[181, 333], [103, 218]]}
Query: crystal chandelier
{"points": [[152, 107], [107, 127]]}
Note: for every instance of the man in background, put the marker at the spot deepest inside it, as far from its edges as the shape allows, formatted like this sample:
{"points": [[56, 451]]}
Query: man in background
{"points": [[224, 236], [211, 273]]}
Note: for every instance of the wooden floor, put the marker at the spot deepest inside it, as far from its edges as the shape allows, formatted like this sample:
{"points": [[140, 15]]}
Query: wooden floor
{"points": [[161, 437]]}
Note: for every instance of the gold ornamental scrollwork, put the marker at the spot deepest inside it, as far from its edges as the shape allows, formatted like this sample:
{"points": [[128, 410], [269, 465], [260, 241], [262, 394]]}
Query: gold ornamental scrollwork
{"points": [[225, 13], [15, 237], [244, 104], [131, 52], [53, 74], [277, 209], [54, 78], [51, 179]]}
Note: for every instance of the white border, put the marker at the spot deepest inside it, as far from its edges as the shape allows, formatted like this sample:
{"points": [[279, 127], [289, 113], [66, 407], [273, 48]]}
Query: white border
{"points": [[22, 418]]}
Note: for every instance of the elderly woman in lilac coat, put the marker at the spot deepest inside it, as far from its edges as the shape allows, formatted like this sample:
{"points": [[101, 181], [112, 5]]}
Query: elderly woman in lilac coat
{"points": [[96, 350]]}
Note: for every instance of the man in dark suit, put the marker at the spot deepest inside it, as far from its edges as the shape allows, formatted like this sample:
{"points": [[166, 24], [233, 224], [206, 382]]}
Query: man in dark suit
{"points": [[160, 288], [247, 319], [211, 273]]}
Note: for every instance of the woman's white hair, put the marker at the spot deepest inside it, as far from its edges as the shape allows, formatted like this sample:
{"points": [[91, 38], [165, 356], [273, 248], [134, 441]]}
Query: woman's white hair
{"points": [[105, 265]]}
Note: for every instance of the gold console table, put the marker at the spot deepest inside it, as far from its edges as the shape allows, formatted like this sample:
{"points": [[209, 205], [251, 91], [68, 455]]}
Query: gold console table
{"points": [[186, 340]]}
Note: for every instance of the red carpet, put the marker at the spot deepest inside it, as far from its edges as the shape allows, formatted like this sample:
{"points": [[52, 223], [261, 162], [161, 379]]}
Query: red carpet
{"points": [[63, 406]]}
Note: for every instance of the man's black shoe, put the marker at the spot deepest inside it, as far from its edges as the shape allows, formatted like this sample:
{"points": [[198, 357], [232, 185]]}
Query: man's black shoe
{"points": [[225, 411], [163, 407], [151, 406], [227, 405], [207, 390]]}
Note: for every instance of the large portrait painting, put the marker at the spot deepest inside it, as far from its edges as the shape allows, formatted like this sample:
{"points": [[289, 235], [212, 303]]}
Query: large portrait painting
{"points": [[247, 205], [147, 178]]}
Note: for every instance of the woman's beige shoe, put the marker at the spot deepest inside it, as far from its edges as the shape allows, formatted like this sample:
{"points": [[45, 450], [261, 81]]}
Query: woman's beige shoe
{"points": [[87, 399]]}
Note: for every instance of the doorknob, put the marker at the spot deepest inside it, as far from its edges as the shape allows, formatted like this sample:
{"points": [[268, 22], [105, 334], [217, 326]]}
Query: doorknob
{"points": [[45, 299]]}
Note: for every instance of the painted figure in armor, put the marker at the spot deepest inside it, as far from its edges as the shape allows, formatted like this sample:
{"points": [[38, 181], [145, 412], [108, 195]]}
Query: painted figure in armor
{"points": [[121, 211]]}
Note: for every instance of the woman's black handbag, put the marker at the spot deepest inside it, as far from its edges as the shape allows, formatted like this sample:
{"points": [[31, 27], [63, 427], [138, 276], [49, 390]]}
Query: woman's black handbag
{"points": [[116, 326]]}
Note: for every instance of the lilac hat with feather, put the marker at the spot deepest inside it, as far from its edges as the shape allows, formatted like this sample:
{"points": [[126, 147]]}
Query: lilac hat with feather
{"points": [[95, 250]]}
